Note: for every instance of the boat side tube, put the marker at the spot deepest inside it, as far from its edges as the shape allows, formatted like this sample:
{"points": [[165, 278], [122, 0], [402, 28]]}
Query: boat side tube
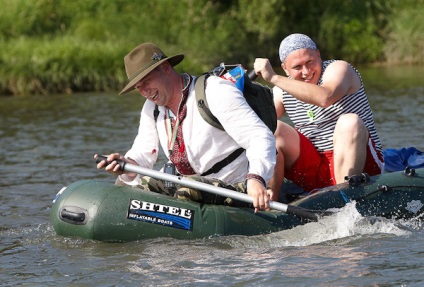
{"points": [[107, 212]]}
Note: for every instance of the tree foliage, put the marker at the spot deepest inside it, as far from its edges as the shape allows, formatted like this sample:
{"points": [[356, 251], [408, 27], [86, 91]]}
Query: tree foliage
{"points": [[65, 46]]}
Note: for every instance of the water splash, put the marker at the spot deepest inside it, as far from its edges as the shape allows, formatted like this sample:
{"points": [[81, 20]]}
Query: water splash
{"points": [[345, 225]]}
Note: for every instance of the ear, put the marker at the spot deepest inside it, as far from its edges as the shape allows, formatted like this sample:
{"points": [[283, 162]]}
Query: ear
{"points": [[166, 67], [285, 70]]}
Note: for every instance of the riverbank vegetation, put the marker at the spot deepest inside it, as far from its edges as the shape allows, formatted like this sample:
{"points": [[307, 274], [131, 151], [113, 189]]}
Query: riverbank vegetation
{"points": [[60, 46]]}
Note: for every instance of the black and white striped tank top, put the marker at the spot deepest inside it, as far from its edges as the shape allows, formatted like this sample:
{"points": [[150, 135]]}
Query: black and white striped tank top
{"points": [[318, 123]]}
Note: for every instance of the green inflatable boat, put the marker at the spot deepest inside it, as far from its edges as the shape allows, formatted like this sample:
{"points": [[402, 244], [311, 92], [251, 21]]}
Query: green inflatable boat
{"points": [[107, 212]]}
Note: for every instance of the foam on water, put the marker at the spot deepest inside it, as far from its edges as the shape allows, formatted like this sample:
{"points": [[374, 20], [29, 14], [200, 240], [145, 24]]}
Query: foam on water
{"points": [[345, 224]]}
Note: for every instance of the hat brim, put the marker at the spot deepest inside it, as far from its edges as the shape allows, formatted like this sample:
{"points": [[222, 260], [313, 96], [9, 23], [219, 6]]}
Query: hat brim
{"points": [[174, 60]]}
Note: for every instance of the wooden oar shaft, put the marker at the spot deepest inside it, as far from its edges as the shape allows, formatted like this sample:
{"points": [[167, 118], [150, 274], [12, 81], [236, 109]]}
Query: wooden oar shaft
{"points": [[304, 213]]}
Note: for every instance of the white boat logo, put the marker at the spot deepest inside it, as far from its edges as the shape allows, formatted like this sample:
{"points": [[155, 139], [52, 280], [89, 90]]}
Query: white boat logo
{"points": [[414, 206], [166, 215]]}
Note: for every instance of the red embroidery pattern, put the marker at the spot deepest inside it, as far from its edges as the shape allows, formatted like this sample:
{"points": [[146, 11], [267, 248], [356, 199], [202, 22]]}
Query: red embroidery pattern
{"points": [[179, 154]]}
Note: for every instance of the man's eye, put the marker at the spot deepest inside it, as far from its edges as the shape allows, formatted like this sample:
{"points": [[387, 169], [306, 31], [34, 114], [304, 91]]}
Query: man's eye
{"points": [[142, 84]]}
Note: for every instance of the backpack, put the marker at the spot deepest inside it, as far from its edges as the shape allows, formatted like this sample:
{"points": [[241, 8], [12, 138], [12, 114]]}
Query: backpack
{"points": [[259, 97]]}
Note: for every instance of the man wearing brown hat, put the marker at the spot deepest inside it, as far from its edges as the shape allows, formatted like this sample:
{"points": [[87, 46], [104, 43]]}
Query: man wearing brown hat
{"points": [[334, 134], [170, 119]]}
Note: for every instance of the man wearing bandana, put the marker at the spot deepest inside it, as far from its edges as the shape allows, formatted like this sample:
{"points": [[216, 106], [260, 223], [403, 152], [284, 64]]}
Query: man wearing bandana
{"points": [[334, 135]]}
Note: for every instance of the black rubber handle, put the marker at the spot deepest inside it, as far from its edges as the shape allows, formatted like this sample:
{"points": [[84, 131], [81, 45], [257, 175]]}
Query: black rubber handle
{"points": [[120, 162], [72, 216], [252, 75], [302, 212]]}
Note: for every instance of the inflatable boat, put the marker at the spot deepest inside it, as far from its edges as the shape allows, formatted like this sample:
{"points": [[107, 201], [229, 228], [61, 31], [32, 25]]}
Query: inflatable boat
{"points": [[104, 211]]}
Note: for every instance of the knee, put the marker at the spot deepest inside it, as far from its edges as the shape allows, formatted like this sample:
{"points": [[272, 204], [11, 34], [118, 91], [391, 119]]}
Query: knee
{"points": [[283, 134], [287, 143], [350, 126]]}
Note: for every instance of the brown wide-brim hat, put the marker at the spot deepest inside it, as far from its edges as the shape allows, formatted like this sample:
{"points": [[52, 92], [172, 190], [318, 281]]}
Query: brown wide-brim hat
{"points": [[142, 60]]}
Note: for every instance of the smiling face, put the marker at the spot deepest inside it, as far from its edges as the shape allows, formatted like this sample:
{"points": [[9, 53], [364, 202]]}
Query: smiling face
{"points": [[303, 65], [155, 87]]}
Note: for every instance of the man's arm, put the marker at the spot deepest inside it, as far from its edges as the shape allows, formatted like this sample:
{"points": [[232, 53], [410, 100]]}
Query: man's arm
{"points": [[278, 101], [339, 80]]}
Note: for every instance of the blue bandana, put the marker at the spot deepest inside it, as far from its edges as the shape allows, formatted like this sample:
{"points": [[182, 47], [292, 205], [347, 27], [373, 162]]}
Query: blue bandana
{"points": [[295, 42]]}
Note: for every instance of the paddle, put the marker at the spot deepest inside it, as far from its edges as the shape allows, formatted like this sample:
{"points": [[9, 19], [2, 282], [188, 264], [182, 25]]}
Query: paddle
{"points": [[289, 209]]}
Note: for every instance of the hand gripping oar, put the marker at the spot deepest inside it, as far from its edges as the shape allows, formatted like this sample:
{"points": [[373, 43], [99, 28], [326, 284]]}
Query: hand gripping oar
{"points": [[289, 209]]}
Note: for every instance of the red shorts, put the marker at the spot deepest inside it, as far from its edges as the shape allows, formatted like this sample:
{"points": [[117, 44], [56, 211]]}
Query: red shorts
{"points": [[315, 169]]}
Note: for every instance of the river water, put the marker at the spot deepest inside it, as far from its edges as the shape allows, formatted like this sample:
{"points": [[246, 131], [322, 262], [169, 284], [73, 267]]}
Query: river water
{"points": [[47, 142]]}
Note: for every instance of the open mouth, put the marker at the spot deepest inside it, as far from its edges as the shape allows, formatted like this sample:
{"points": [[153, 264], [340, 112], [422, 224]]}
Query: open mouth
{"points": [[154, 97], [308, 79], [307, 76]]}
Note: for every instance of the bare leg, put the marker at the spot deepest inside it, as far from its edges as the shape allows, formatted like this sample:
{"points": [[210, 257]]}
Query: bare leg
{"points": [[287, 145], [350, 146]]}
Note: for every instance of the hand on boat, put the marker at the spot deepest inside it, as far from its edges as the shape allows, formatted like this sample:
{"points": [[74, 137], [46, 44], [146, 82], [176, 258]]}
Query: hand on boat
{"points": [[261, 195]]}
